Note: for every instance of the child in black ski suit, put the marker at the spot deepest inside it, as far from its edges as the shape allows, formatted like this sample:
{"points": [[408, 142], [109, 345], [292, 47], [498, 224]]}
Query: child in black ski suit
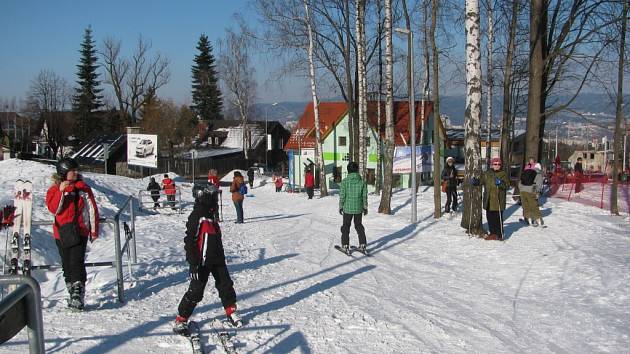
{"points": [[204, 253]]}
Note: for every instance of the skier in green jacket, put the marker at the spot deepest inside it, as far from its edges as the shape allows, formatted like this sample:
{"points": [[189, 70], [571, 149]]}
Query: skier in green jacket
{"points": [[353, 205]]}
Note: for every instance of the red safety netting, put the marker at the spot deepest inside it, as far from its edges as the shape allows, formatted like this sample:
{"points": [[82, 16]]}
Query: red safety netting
{"points": [[589, 189]]}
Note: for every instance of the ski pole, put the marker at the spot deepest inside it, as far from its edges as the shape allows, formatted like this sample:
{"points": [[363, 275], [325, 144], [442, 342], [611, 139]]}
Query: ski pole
{"points": [[221, 206], [500, 213]]}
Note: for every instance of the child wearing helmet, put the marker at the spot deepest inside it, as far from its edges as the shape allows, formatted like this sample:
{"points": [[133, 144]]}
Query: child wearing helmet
{"points": [[205, 256], [72, 203]]}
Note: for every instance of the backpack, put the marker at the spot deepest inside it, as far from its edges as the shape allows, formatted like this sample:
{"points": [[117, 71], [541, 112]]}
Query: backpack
{"points": [[243, 189], [528, 177]]}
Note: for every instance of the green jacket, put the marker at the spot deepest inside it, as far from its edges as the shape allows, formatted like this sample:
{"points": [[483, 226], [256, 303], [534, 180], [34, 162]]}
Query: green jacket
{"points": [[353, 195], [493, 196]]}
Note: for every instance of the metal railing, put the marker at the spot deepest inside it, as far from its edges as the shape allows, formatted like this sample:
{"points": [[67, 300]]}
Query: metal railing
{"points": [[22, 307], [146, 202], [129, 245]]}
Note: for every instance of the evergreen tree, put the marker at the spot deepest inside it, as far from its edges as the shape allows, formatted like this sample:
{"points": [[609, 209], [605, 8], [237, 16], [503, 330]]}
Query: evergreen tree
{"points": [[87, 99], [206, 95]]}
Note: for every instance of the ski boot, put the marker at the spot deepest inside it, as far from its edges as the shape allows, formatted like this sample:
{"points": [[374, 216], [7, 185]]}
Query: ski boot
{"points": [[534, 223], [346, 249], [233, 317], [13, 267], [363, 249], [181, 326], [77, 296]]}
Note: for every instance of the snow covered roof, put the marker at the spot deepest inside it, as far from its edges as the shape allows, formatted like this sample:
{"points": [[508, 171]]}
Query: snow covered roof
{"points": [[202, 154], [92, 152]]}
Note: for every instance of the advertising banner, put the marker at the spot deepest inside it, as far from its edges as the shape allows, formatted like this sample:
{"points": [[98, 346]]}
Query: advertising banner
{"points": [[402, 159], [142, 150]]}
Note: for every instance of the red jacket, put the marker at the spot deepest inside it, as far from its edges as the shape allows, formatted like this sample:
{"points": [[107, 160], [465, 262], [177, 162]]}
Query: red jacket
{"points": [[168, 186], [309, 180], [62, 206], [279, 182]]}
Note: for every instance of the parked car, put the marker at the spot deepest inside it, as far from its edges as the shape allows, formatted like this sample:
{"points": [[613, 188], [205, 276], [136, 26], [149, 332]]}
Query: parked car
{"points": [[145, 148]]}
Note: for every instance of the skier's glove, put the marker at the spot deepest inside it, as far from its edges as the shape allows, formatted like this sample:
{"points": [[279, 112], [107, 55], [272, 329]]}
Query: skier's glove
{"points": [[193, 271], [364, 211], [474, 181], [497, 181], [340, 211]]}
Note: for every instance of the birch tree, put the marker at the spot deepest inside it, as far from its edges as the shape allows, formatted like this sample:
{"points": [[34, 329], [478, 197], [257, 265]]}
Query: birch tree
{"points": [[471, 218], [319, 149], [362, 83], [490, 80], [386, 194]]}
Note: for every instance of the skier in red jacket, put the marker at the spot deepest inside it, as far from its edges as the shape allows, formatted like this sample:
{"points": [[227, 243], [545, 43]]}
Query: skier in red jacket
{"points": [[72, 202], [168, 185], [309, 182]]}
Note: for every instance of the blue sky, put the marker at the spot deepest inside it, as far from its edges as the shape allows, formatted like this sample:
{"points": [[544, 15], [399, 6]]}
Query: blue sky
{"points": [[40, 34]]}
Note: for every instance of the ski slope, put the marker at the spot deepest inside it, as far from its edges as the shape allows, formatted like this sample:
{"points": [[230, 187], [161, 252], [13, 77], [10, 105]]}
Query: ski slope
{"points": [[428, 288]]}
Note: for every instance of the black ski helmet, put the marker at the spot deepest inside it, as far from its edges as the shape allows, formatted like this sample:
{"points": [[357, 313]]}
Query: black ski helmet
{"points": [[66, 164]]}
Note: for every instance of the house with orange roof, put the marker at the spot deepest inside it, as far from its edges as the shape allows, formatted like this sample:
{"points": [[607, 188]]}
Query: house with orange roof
{"points": [[334, 130]]}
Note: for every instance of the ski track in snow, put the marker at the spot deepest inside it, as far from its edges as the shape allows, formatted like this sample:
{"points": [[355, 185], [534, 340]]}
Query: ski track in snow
{"points": [[427, 288]]}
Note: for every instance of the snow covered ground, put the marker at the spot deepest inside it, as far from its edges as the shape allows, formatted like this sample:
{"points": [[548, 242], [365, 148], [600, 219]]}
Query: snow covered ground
{"points": [[427, 288]]}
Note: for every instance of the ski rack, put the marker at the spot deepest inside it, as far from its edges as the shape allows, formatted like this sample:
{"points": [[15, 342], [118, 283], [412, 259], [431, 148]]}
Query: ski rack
{"points": [[145, 201], [22, 307], [129, 246]]}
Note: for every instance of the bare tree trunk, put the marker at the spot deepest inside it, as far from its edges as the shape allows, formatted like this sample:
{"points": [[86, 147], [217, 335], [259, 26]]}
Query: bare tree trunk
{"points": [[427, 62], [536, 68], [619, 118], [379, 169], [386, 195], [490, 81], [319, 151], [507, 83], [471, 218], [437, 192]]}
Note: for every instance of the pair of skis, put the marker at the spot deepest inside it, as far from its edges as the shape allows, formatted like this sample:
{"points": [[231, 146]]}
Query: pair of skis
{"points": [[23, 204], [223, 331], [352, 249]]}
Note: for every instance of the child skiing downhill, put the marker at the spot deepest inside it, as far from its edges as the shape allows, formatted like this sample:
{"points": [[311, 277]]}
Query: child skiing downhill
{"points": [[72, 202], [205, 256]]}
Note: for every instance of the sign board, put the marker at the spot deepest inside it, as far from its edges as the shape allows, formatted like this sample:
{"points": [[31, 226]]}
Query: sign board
{"points": [[142, 150], [402, 159]]}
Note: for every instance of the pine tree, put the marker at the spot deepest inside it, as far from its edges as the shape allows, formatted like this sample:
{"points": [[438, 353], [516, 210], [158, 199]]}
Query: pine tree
{"points": [[206, 96], [87, 99]]}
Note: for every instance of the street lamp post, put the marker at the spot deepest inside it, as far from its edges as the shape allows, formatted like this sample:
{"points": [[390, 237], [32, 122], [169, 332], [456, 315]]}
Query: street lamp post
{"points": [[412, 117], [266, 133]]}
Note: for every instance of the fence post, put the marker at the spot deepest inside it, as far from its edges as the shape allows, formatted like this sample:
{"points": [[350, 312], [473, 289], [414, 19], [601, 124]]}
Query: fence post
{"points": [[119, 272], [601, 200]]}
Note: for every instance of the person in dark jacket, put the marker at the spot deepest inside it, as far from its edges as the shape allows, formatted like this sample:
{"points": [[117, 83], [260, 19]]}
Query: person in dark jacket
{"points": [[449, 176], [309, 182], [495, 184], [72, 202], [205, 256], [352, 203], [578, 173], [250, 177], [154, 188]]}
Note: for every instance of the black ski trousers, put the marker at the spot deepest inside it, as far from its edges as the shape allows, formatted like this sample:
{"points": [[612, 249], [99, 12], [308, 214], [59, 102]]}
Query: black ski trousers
{"points": [[494, 218], [345, 228], [73, 261], [194, 295], [310, 191], [451, 199]]}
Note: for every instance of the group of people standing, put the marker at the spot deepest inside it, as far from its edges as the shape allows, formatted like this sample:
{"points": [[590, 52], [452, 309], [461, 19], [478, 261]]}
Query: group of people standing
{"points": [[495, 183], [169, 188]]}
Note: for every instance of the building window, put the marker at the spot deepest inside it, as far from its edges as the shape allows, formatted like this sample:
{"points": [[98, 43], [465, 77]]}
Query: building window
{"points": [[216, 140], [592, 156], [342, 141], [370, 178], [584, 155]]}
